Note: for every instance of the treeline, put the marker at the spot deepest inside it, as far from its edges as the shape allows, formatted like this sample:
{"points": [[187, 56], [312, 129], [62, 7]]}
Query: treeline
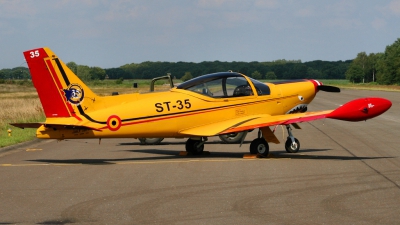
{"points": [[279, 69], [17, 73], [383, 68]]}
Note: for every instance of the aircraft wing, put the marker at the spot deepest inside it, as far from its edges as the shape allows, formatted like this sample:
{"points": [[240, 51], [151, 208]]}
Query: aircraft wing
{"points": [[253, 122], [277, 120], [355, 110]]}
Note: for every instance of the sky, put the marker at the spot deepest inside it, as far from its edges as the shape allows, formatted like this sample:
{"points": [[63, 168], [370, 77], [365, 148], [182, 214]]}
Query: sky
{"points": [[114, 33]]}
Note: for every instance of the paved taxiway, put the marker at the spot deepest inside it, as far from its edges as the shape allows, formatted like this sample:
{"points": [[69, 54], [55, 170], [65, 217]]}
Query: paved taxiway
{"points": [[345, 173]]}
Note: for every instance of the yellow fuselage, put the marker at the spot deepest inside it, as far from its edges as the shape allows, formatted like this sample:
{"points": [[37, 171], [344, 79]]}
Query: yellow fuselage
{"points": [[165, 114]]}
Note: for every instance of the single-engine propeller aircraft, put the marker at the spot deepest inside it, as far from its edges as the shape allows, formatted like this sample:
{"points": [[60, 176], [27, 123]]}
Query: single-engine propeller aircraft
{"points": [[208, 105]]}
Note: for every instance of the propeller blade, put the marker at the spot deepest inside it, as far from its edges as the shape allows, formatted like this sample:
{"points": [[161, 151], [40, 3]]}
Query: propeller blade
{"points": [[328, 88]]}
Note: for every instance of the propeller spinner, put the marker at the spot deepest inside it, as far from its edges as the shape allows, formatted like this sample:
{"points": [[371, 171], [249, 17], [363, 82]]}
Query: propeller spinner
{"points": [[319, 86]]}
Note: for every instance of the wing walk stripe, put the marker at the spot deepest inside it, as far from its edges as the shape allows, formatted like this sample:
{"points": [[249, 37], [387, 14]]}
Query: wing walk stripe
{"points": [[238, 124]]}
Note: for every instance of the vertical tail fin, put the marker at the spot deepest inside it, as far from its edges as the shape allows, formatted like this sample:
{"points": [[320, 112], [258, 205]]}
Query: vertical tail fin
{"points": [[61, 92]]}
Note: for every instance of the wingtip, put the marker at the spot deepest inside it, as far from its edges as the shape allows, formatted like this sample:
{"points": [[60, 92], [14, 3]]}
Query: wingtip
{"points": [[361, 109]]}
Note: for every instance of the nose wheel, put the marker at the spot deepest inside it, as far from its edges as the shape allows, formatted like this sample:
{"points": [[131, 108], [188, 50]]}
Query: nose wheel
{"points": [[292, 145]]}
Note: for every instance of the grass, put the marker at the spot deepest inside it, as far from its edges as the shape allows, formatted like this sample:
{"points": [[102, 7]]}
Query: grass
{"points": [[19, 103], [361, 86]]}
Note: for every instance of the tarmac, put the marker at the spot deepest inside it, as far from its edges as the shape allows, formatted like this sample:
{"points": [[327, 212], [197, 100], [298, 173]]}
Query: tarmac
{"points": [[344, 173]]}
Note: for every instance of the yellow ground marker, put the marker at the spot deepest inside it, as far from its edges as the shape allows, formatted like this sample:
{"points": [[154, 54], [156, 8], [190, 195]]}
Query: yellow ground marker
{"points": [[257, 156], [33, 149]]}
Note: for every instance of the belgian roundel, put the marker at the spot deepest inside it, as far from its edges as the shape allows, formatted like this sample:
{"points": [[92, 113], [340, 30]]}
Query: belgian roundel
{"points": [[113, 123]]}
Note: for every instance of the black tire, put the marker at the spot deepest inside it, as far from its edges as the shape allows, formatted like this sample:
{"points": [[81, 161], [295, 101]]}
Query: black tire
{"points": [[290, 148], [150, 141], [232, 138], [193, 147], [259, 146]]}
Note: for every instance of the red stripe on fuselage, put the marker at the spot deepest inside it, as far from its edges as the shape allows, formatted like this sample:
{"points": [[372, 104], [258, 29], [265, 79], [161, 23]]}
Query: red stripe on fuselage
{"points": [[164, 117]]}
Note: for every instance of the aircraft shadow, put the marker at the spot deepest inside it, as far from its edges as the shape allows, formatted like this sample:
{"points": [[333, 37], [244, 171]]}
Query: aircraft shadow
{"points": [[172, 154], [181, 143]]}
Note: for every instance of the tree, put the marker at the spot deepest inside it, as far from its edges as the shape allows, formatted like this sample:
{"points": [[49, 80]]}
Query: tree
{"points": [[270, 75], [372, 62], [256, 75], [362, 61], [3, 74], [388, 65], [315, 74], [83, 72], [97, 73], [73, 67], [187, 76], [355, 73]]}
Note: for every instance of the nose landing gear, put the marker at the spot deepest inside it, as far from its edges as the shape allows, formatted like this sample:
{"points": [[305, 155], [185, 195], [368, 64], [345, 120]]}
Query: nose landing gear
{"points": [[292, 145]]}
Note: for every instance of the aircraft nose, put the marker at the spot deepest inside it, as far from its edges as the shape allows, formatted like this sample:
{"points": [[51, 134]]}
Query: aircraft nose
{"points": [[316, 84], [319, 86]]}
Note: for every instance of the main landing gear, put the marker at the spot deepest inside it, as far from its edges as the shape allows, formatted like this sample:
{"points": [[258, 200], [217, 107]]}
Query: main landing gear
{"points": [[195, 146], [259, 145]]}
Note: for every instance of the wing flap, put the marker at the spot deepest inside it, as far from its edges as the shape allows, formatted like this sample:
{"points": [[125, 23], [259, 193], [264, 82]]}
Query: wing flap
{"points": [[217, 128]]}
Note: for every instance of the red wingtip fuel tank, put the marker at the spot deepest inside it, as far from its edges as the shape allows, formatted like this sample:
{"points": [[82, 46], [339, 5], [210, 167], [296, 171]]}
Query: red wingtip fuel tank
{"points": [[360, 109]]}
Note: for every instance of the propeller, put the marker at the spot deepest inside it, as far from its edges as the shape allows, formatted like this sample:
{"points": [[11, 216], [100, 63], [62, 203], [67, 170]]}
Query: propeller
{"points": [[328, 88]]}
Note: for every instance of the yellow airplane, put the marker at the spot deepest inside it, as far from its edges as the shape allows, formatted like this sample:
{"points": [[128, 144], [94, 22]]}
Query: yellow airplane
{"points": [[209, 105]]}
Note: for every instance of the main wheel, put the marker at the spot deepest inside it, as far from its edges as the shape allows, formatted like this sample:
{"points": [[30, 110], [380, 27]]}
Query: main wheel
{"points": [[292, 147], [232, 138], [150, 141], [259, 146], [194, 146]]}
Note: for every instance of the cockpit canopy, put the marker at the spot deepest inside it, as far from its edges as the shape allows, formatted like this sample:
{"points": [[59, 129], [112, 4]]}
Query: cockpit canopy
{"points": [[225, 85]]}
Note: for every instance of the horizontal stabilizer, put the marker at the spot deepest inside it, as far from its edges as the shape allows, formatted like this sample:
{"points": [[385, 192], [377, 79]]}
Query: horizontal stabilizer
{"points": [[52, 125]]}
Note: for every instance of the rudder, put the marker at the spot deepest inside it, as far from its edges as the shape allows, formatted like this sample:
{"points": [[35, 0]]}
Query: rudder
{"points": [[60, 91]]}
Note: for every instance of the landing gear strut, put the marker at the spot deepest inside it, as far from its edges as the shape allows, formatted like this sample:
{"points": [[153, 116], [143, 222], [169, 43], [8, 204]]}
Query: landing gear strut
{"points": [[259, 145], [195, 147], [292, 145]]}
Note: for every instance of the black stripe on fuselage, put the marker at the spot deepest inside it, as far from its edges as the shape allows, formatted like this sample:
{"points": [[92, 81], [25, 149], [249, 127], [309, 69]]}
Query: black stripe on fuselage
{"points": [[199, 110], [288, 81]]}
